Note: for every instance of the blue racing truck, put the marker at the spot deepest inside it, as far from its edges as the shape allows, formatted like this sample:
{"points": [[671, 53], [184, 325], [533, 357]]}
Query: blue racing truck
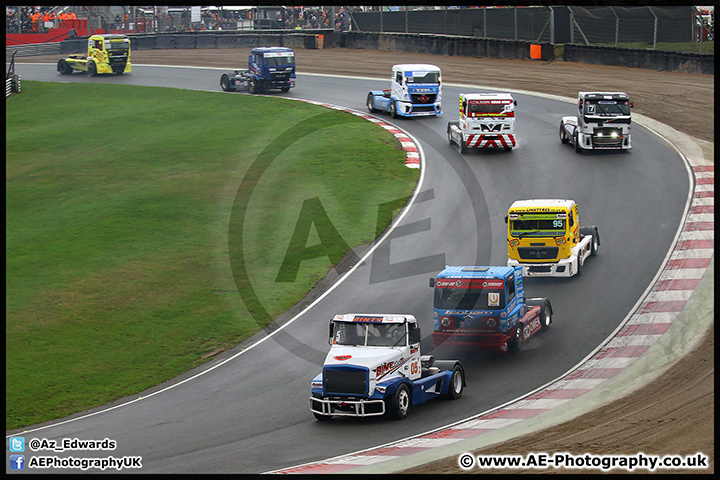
{"points": [[374, 367], [415, 90], [486, 308], [268, 68]]}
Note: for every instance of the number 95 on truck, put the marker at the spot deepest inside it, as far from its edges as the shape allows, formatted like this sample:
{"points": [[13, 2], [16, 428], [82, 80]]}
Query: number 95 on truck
{"points": [[374, 367]]}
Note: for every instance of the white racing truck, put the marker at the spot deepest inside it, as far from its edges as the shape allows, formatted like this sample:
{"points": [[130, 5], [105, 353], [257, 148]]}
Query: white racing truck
{"points": [[374, 367], [602, 122], [415, 91], [486, 120]]}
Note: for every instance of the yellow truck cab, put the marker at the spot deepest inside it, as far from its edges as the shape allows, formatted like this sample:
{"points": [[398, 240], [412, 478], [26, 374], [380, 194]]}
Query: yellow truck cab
{"points": [[108, 53], [545, 238]]}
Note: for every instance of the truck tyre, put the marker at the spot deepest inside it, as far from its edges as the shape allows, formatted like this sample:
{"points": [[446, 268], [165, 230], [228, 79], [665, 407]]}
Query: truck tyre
{"points": [[449, 131], [457, 380], [393, 109], [579, 265], [322, 418], [578, 148], [563, 134], [92, 70], [369, 102], [225, 83], [64, 68], [399, 403], [595, 243], [463, 145], [545, 315], [252, 86], [515, 344]]}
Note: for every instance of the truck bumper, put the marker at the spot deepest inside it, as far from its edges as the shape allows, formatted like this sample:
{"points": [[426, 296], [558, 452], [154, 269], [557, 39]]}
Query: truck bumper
{"points": [[418, 110], [492, 342], [589, 142], [347, 408], [567, 267]]}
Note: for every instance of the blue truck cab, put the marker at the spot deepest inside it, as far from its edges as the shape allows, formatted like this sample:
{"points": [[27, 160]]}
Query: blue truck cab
{"points": [[485, 308], [415, 90], [269, 68]]}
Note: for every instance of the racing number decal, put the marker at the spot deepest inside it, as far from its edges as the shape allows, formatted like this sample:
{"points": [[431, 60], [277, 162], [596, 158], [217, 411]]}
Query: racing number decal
{"points": [[414, 368]]}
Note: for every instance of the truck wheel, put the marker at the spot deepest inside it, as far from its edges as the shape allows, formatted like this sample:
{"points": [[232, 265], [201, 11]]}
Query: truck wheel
{"points": [[450, 140], [457, 380], [578, 148], [595, 243], [225, 83], [516, 343], [64, 68], [92, 70], [563, 134], [252, 86], [369, 102], [545, 315], [463, 145], [393, 109], [399, 404], [322, 418]]}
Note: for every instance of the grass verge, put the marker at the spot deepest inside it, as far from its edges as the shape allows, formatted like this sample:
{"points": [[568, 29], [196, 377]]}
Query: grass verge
{"points": [[119, 200]]}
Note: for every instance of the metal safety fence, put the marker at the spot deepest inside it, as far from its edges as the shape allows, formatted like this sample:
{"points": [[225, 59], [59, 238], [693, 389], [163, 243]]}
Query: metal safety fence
{"points": [[589, 25]]}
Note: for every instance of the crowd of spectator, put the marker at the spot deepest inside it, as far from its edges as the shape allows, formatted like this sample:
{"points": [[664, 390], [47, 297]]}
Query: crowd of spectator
{"points": [[32, 19]]}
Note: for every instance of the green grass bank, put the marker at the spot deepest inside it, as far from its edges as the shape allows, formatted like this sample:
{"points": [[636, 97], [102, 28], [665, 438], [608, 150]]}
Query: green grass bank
{"points": [[119, 266]]}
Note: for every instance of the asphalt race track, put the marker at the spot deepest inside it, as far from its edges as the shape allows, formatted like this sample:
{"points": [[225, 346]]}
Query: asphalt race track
{"points": [[247, 411]]}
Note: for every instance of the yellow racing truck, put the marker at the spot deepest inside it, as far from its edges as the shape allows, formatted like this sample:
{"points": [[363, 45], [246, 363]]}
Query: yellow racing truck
{"points": [[108, 53], [545, 238]]}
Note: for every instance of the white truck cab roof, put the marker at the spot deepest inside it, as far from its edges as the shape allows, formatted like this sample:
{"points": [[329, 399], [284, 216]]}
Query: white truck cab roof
{"points": [[487, 96], [543, 202], [419, 67], [374, 318]]}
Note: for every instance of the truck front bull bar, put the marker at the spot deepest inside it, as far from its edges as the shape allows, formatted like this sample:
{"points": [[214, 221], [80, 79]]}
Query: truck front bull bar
{"points": [[335, 407]]}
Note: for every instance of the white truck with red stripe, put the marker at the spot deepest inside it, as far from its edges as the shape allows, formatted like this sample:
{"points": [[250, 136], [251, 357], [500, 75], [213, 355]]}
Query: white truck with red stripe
{"points": [[374, 367], [487, 120]]}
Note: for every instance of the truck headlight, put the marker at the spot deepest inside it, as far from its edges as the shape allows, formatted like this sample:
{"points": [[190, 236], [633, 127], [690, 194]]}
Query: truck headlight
{"points": [[381, 388]]}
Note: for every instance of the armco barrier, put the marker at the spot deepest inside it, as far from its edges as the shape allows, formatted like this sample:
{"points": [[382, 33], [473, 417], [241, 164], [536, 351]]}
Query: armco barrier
{"points": [[641, 58]]}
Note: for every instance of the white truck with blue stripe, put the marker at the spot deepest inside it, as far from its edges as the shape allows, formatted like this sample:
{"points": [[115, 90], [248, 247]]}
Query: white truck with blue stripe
{"points": [[415, 90], [374, 367]]}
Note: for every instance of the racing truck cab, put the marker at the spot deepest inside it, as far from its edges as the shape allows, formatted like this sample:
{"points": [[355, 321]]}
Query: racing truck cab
{"points": [[486, 120], [485, 308], [268, 68], [603, 122], [374, 367], [545, 238], [107, 53], [415, 90]]}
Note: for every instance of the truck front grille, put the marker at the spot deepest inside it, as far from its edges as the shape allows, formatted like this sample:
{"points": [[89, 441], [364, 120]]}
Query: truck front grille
{"points": [[538, 253], [423, 98], [345, 380]]}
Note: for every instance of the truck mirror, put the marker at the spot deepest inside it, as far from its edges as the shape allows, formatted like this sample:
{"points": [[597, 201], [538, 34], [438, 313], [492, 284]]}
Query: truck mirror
{"points": [[515, 102], [506, 219], [332, 332], [415, 336], [432, 282], [632, 104]]}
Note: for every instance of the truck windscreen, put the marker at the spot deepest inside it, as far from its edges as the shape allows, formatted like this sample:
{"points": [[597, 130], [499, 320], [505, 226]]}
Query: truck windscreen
{"points": [[480, 110], [423, 77], [369, 334], [280, 61], [539, 225], [475, 294], [607, 107]]}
